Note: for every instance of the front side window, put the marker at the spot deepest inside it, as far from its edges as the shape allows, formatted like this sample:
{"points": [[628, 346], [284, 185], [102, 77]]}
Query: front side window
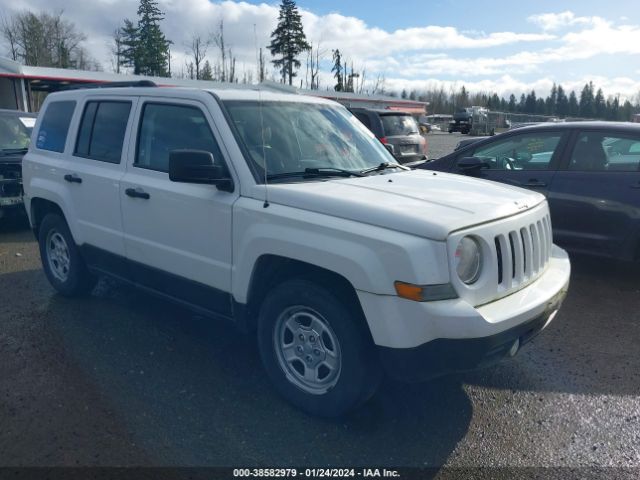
{"points": [[166, 127], [288, 137], [529, 151], [102, 130], [599, 151], [398, 125], [54, 126]]}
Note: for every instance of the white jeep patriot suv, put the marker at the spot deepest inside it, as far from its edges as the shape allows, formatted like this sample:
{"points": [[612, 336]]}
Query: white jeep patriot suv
{"points": [[283, 214]]}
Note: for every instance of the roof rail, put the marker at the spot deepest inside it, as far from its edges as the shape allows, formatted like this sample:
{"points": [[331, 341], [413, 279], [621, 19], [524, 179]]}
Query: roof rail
{"points": [[137, 83]]}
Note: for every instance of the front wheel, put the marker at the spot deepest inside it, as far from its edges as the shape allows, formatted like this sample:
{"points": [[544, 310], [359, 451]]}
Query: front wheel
{"points": [[64, 267], [315, 349]]}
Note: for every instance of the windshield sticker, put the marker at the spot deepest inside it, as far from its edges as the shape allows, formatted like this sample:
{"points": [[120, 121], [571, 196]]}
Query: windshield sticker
{"points": [[28, 122]]}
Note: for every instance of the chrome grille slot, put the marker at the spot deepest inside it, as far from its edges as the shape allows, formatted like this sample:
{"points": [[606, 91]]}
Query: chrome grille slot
{"points": [[522, 254]]}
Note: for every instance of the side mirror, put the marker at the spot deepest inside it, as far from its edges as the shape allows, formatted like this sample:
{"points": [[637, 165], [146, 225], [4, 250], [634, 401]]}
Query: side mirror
{"points": [[389, 148], [471, 165], [196, 166]]}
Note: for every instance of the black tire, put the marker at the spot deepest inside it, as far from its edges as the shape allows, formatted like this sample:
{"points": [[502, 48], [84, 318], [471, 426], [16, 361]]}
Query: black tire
{"points": [[360, 372], [78, 281]]}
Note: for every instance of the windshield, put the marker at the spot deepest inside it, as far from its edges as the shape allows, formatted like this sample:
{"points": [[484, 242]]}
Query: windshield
{"points": [[399, 125], [14, 132], [298, 137]]}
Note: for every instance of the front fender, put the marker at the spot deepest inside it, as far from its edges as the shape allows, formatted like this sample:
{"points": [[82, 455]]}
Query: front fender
{"points": [[369, 257]]}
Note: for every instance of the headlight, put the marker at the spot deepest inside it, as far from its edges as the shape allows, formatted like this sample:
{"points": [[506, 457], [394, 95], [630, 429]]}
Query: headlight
{"points": [[468, 260]]}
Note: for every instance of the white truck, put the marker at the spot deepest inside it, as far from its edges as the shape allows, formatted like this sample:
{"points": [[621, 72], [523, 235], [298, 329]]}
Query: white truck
{"points": [[284, 214]]}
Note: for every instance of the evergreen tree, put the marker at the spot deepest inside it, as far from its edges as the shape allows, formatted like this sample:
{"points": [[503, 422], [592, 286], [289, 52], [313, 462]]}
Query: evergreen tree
{"points": [[338, 71], [574, 108], [512, 103], [153, 47], [587, 103], [288, 40], [562, 102], [599, 105], [207, 72], [522, 104], [129, 46], [552, 101], [530, 102]]}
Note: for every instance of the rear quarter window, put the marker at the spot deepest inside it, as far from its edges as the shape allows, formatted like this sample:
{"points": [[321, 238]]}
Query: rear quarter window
{"points": [[54, 126]]}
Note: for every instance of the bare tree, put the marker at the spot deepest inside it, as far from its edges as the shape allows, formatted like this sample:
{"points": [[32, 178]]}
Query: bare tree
{"points": [[379, 85], [198, 51], [314, 55], [218, 39], [116, 50], [46, 39]]}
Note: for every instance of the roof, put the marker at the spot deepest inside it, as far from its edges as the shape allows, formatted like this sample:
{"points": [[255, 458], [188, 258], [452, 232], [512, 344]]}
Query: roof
{"points": [[589, 124], [225, 93]]}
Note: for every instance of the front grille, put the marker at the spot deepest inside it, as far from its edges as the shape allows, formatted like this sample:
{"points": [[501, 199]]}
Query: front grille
{"points": [[522, 254], [10, 180]]}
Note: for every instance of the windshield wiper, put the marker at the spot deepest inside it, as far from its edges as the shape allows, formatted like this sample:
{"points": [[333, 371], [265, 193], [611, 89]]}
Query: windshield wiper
{"points": [[13, 151], [316, 172], [383, 166]]}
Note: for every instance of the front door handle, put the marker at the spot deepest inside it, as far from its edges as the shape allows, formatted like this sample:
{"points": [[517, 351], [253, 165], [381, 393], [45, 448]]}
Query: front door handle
{"points": [[535, 183], [137, 193], [635, 185], [72, 178]]}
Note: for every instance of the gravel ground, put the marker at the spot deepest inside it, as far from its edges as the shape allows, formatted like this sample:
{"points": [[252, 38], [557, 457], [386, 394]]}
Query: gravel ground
{"points": [[121, 378], [442, 143]]}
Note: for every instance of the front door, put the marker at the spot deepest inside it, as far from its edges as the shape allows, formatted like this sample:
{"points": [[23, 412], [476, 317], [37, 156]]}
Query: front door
{"points": [[177, 235]]}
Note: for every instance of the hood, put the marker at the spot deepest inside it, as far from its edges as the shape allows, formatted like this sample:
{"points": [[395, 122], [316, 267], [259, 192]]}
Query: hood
{"points": [[424, 203]]}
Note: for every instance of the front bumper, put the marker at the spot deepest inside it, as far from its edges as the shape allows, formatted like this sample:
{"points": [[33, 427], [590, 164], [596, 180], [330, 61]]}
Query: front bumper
{"points": [[443, 355], [424, 340]]}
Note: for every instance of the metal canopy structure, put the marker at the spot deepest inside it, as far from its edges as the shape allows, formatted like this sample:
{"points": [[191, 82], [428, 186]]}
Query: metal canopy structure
{"points": [[24, 88]]}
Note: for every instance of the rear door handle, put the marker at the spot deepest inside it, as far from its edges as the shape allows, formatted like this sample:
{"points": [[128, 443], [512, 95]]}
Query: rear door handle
{"points": [[72, 178], [535, 183], [137, 193], [635, 185]]}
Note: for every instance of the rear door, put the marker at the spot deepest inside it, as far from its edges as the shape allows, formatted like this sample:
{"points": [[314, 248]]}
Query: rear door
{"points": [[92, 173], [597, 193], [526, 159]]}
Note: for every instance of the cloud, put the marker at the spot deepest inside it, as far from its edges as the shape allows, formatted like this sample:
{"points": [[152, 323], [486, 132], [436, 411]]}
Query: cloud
{"points": [[556, 21], [602, 38], [403, 55], [99, 18]]}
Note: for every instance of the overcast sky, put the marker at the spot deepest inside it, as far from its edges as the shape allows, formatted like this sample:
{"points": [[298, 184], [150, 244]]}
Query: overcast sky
{"points": [[502, 46]]}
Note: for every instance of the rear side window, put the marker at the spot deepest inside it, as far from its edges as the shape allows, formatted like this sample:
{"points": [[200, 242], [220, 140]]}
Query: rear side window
{"points": [[166, 127], [102, 130], [605, 152], [398, 125], [55, 126]]}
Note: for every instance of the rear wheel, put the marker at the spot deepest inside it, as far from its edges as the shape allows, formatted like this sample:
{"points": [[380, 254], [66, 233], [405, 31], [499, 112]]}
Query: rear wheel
{"points": [[64, 267], [315, 349]]}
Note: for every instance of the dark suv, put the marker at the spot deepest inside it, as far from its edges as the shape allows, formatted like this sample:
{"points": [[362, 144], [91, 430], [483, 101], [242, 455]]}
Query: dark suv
{"points": [[15, 132], [399, 130]]}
